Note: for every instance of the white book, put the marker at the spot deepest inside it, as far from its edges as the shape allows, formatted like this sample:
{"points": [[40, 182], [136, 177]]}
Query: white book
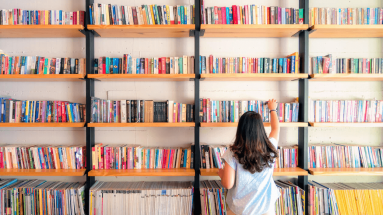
{"points": [[254, 17], [134, 66], [150, 21], [185, 64], [138, 15], [130, 15], [119, 15], [163, 15], [155, 65], [176, 69], [126, 15], [33, 64], [58, 62], [207, 71], [170, 111], [29, 65], [188, 14], [171, 15], [172, 65], [123, 111]]}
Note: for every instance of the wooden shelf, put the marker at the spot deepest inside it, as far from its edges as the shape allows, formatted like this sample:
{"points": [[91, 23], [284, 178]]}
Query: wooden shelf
{"points": [[277, 172], [253, 77], [154, 124], [145, 31], [346, 31], [212, 30], [266, 124], [42, 125], [142, 77], [345, 124], [40, 31], [346, 77], [42, 172], [38, 78], [346, 171], [143, 172]]}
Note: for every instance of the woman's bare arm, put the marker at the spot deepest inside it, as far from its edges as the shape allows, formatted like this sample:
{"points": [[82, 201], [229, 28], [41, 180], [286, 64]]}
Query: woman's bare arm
{"points": [[272, 104]]}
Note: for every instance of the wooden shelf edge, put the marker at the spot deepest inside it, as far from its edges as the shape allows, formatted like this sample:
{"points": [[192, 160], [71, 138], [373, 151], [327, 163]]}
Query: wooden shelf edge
{"points": [[32, 77], [80, 27], [346, 77], [143, 172], [346, 124], [346, 171], [254, 77], [266, 124], [277, 172], [263, 26], [42, 172], [116, 27], [155, 124], [43, 125], [141, 76]]}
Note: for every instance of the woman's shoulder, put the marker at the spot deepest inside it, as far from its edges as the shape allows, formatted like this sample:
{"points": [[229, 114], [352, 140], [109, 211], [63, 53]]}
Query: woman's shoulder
{"points": [[274, 142]]}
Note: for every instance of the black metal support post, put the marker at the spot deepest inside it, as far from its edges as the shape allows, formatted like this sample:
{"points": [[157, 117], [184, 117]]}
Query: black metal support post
{"points": [[197, 161]]}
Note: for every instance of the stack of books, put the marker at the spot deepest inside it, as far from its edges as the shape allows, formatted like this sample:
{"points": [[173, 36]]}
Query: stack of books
{"points": [[129, 65], [346, 111], [211, 156], [126, 111], [107, 14], [329, 65], [230, 111], [42, 157], [287, 157], [40, 17], [251, 15], [42, 197], [138, 157], [346, 16], [23, 65], [345, 198], [345, 156], [292, 199], [16, 111], [213, 198], [214, 65], [173, 198]]}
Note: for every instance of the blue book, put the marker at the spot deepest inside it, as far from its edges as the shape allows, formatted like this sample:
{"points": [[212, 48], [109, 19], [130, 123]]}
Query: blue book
{"points": [[165, 15], [275, 66], [37, 111], [227, 15], [284, 65], [60, 17], [368, 16], [114, 15], [185, 16], [107, 62], [185, 157], [90, 14], [231, 15], [115, 65], [138, 65], [292, 61], [200, 64]]}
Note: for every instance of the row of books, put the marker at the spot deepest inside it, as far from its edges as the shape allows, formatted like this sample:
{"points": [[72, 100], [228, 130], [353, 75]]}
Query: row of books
{"points": [[23, 65], [346, 16], [42, 157], [251, 15], [126, 111], [345, 111], [16, 111], [129, 65], [287, 157], [146, 198], [345, 156], [40, 17], [212, 111], [211, 64], [41, 197], [329, 65], [213, 198], [345, 198], [137, 157], [107, 14], [211, 156], [292, 199]]}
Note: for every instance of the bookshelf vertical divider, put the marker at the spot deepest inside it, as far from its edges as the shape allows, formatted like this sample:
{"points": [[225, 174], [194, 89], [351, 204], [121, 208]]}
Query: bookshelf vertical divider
{"points": [[303, 102], [90, 132]]}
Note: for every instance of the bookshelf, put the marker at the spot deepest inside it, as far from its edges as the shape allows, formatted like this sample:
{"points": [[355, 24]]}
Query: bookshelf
{"points": [[142, 77], [132, 125], [346, 77], [347, 171], [42, 172], [42, 78], [345, 124], [266, 124], [346, 31], [142, 172], [249, 31], [277, 172], [43, 125], [142, 31], [253, 77], [41, 31]]}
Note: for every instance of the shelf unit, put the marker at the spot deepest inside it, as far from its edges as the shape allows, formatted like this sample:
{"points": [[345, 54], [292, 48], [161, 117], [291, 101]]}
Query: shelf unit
{"points": [[41, 31], [347, 171], [266, 124], [277, 172], [141, 77], [346, 31], [243, 31], [345, 124], [43, 125], [346, 77], [143, 172], [42, 172], [253, 77], [42, 78]]}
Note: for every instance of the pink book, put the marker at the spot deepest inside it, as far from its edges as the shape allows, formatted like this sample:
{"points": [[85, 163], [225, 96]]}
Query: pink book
{"points": [[279, 16], [1, 160], [107, 156], [216, 15], [100, 152], [128, 158], [223, 15], [175, 112], [247, 14]]}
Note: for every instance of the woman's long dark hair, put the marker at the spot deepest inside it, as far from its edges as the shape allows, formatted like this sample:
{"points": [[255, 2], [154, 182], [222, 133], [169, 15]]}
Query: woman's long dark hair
{"points": [[252, 147]]}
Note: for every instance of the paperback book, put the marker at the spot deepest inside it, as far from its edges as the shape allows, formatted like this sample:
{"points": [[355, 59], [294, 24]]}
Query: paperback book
{"points": [[213, 198]]}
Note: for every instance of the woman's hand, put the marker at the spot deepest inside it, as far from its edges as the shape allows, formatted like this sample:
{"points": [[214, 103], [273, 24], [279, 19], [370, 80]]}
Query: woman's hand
{"points": [[272, 104]]}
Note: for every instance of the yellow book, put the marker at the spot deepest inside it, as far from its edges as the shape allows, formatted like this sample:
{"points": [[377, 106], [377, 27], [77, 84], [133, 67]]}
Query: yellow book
{"points": [[69, 113], [153, 19], [188, 158], [240, 65], [168, 14], [41, 200], [240, 15]]}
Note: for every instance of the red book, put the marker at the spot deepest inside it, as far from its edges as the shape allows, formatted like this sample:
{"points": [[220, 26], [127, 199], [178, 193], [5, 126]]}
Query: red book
{"points": [[163, 65], [146, 65], [211, 63], [268, 15], [159, 65], [288, 66], [326, 64], [235, 17], [81, 18], [164, 155], [63, 113], [246, 9], [223, 15], [256, 65], [41, 65], [53, 160], [75, 18], [219, 16]]}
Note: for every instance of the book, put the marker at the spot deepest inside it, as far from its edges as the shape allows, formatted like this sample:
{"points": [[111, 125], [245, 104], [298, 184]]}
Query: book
{"points": [[287, 157], [109, 111], [213, 202], [291, 200], [211, 156], [349, 111], [213, 111]]}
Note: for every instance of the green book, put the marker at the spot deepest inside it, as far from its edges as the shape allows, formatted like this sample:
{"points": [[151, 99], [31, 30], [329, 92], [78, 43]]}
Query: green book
{"points": [[46, 67]]}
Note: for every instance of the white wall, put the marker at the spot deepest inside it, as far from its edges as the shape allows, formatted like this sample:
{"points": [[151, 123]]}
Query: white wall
{"points": [[184, 91]]}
